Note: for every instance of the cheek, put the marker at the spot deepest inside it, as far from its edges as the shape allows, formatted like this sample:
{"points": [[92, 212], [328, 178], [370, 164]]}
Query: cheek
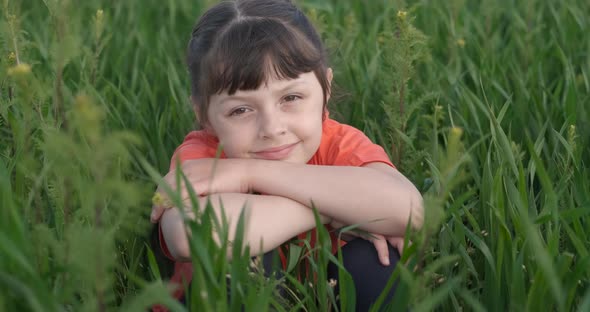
{"points": [[235, 142], [311, 127]]}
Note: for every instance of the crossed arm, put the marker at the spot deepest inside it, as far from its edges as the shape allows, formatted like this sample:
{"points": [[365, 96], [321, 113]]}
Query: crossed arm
{"points": [[270, 221], [376, 196]]}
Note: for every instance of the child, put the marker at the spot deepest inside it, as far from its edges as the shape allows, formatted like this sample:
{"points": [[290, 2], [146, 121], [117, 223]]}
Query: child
{"points": [[260, 84]]}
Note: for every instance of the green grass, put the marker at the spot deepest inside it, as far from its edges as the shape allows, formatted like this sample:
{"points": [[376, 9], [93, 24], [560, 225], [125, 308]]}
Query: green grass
{"points": [[494, 131]]}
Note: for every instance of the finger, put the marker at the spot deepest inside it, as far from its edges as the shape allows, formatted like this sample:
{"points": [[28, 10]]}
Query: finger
{"points": [[382, 250], [156, 214], [397, 242], [195, 189], [174, 189], [160, 202]]}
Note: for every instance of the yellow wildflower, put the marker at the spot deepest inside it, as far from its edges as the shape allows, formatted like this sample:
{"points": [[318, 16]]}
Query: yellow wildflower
{"points": [[402, 14], [159, 200], [461, 42]]}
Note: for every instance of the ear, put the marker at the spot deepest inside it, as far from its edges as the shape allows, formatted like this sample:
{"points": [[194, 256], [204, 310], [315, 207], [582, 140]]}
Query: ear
{"points": [[329, 76]]}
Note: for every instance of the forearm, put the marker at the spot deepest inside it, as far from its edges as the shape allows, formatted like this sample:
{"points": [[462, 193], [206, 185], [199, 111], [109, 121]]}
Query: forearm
{"points": [[270, 221], [352, 195]]}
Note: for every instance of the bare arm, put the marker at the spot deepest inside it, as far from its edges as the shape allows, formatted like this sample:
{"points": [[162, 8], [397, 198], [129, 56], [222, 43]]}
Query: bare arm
{"points": [[348, 194], [270, 221]]}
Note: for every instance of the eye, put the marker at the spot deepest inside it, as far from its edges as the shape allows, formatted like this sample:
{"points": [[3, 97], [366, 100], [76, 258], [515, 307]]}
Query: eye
{"points": [[291, 98], [239, 111]]}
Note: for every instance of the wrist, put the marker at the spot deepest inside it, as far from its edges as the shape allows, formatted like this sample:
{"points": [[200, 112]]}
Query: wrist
{"points": [[250, 168]]}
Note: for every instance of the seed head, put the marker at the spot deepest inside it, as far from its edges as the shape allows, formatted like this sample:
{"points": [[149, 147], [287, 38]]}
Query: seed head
{"points": [[572, 131], [572, 136], [99, 24], [99, 14], [11, 19]]}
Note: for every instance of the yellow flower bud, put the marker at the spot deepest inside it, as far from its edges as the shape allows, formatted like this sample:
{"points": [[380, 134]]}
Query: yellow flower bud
{"points": [[11, 57], [21, 69], [457, 132], [461, 42]]}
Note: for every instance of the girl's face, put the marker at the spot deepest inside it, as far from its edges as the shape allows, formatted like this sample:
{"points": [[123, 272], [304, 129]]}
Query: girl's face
{"points": [[281, 120]]}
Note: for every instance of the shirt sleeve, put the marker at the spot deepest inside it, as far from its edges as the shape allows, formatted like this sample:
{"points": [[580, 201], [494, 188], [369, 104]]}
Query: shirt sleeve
{"points": [[351, 147]]}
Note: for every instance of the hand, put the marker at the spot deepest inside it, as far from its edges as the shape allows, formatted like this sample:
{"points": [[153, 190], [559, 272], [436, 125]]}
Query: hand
{"points": [[378, 240], [205, 176], [380, 243]]}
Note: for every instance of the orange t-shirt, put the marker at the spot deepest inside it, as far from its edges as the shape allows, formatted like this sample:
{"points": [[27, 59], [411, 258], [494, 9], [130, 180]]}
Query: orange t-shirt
{"points": [[341, 145]]}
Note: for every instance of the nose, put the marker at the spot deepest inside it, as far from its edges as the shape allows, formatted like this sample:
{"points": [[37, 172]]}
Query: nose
{"points": [[271, 124]]}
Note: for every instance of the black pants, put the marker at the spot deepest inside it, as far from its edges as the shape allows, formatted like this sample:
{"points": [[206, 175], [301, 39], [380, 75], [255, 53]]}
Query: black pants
{"points": [[361, 261], [368, 274]]}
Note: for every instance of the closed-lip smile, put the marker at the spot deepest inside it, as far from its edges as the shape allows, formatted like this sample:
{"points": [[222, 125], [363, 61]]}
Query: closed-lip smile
{"points": [[276, 153]]}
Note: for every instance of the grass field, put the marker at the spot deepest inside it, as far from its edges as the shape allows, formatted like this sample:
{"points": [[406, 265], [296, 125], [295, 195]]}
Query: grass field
{"points": [[484, 105]]}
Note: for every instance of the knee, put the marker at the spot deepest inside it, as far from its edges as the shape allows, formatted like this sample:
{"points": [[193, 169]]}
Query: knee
{"points": [[369, 276]]}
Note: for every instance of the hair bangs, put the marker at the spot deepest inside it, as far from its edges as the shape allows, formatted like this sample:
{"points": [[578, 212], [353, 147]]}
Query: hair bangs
{"points": [[253, 50]]}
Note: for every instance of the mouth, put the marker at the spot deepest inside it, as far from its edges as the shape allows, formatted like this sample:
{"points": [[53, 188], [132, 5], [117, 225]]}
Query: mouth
{"points": [[276, 153]]}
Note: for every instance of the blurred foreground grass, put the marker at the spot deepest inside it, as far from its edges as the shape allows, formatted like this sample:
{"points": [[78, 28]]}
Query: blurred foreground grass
{"points": [[484, 105]]}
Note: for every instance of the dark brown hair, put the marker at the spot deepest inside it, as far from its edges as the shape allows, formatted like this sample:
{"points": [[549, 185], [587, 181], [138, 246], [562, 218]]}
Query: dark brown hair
{"points": [[239, 45]]}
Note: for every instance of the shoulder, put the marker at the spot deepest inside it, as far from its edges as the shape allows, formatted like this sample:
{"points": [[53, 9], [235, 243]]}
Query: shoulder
{"points": [[196, 144], [334, 130], [344, 145]]}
